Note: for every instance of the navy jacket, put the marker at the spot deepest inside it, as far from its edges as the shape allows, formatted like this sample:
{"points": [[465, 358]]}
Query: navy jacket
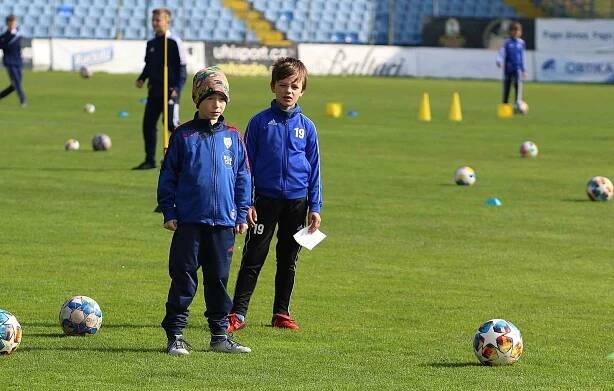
{"points": [[511, 55], [284, 155], [205, 176], [11, 48], [154, 65]]}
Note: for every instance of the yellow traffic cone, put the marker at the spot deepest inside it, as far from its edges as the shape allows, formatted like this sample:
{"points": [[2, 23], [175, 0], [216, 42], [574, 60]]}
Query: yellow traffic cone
{"points": [[505, 110], [455, 108], [334, 109], [424, 111]]}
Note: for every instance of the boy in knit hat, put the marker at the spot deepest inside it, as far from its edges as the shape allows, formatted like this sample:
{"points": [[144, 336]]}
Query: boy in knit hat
{"points": [[204, 193]]}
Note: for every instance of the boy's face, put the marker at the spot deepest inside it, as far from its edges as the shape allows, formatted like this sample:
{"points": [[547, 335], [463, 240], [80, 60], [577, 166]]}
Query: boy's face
{"points": [[212, 107], [159, 23], [287, 91], [517, 33], [11, 25]]}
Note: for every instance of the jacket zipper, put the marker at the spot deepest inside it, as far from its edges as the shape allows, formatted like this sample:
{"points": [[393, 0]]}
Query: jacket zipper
{"points": [[285, 162], [213, 160]]}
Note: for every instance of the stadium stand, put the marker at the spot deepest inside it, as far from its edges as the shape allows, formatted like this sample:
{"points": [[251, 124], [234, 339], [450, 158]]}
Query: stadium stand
{"points": [[274, 21]]}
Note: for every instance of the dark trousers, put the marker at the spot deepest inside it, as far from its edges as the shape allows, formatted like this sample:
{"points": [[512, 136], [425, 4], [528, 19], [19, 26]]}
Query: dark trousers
{"points": [[15, 76], [289, 217], [153, 109], [194, 246], [510, 79]]}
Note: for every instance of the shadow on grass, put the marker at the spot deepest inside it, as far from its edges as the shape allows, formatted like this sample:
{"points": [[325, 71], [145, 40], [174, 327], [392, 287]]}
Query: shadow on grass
{"points": [[576, 200], [453, 364], [63, 169], [92, 349], [104, 325]]}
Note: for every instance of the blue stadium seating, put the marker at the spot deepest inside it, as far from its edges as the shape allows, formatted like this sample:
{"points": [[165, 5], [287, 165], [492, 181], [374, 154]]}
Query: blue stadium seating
{"points": [[340, 21]]}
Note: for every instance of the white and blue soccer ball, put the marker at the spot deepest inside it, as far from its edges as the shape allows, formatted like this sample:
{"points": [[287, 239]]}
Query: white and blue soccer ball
{"points": [[497, 342], [529, 149], [464, 176], [80, 315], [72, 144], [101, 142], [599, 188], [89, 108], [10, 332]]}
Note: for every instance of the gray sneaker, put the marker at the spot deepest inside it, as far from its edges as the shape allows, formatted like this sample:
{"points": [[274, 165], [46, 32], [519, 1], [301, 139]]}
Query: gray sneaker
{"points": [[227, 345], [178, 346]]}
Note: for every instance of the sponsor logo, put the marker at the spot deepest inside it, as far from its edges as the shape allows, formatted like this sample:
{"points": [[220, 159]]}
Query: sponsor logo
{"points": [[92, 57], [549, 65], [598, 68], [272, 123], [252, 53], [227, 157]]}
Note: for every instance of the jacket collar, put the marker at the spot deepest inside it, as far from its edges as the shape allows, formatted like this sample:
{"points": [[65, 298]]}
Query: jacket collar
{"points": [[285, 114], [205, 125]]}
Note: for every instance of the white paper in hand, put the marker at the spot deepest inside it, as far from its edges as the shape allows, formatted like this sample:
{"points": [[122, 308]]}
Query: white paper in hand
{"points": [[309, 240]]}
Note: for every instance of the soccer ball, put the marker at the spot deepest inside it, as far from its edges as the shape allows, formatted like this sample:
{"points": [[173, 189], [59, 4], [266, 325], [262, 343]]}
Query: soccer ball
{"points": [[89, 108], [85, 72], [528, 149], [599, 188], [10, 332], [101, 142], [497, 342], [464, 176], [80, 315], [71, 145], [521, 107]]}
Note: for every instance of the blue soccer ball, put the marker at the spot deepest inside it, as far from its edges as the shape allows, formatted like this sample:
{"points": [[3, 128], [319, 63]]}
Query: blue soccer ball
{"points": [[80, 315], [10, 332]]}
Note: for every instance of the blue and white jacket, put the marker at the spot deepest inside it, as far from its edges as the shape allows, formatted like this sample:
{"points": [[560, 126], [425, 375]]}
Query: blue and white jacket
{"points": [[11, 48], [284, 155], [205, 176], [511, 56]]}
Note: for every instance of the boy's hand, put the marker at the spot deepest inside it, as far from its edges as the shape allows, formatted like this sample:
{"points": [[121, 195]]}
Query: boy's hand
{"points": [[314, 221], [498, 65], [173, 94], [525, 75], [139, 83], [171, 225], [241, 228], [252, 217]]}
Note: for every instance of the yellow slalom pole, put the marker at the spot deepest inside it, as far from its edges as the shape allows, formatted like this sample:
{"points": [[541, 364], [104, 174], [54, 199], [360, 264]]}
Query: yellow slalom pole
{"points": [[165, 101]]}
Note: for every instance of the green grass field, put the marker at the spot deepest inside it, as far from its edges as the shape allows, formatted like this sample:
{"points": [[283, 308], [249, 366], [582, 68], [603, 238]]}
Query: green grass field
{"points": [[390, 300]]}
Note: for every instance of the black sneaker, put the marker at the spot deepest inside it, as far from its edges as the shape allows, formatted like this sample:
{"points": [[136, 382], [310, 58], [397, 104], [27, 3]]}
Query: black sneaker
{"points": [[145, 166], [177, 346], [227, 345]]}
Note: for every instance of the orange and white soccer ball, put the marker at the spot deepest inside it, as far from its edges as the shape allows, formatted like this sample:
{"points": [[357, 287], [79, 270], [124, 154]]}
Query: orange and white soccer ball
{"points": [[528, 149], [521, 107], [464, 176], [101, 142], [497, 342], [10, 332], [72, 145], [599, 188]]}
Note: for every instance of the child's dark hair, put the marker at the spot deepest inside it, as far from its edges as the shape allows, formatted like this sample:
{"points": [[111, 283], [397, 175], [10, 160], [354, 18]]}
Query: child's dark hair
{"points": [[288, 66], [162, 11], [515, 26], [10, 18]]}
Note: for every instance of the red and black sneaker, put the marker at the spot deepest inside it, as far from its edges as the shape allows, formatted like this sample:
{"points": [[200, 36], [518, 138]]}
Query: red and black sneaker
{"points": [[234, 323], [282, 321]]}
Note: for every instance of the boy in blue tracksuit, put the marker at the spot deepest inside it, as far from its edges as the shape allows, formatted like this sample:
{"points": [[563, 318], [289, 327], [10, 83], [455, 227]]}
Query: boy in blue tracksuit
{"points": [[282, 144], [11, 48], [511, 59], [204, 193]]}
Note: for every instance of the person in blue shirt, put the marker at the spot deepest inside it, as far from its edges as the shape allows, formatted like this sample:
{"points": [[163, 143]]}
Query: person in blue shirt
{"points": [[204, 193], [511, 59], [11, 48], [283, 150], [154, 73]]}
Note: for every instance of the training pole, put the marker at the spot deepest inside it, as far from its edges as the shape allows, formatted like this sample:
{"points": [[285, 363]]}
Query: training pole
{"points": [[165, 100]]}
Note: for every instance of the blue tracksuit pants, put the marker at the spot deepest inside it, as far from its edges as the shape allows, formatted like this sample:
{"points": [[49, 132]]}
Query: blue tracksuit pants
{"points": [[153, 110], [15, 76], [197, 246]]}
